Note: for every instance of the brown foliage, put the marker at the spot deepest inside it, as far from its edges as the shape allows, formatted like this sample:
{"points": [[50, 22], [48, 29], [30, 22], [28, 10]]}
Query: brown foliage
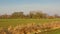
{"points": [[30, 28], [32, 14]]}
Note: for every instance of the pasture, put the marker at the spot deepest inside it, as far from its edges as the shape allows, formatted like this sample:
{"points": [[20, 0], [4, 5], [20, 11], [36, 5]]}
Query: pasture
{"points": [[14, 22]]}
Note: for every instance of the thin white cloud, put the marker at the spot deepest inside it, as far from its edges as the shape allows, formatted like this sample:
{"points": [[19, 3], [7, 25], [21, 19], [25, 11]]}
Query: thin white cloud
{"points": [[50, 9]]}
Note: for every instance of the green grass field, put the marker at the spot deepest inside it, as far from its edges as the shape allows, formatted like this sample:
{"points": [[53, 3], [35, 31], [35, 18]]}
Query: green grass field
{"points": [[13, 22], [57, 31]]}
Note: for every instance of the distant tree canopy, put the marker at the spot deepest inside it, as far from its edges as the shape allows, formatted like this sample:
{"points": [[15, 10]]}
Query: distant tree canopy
{"points": [[31, 15], [17, 15]]}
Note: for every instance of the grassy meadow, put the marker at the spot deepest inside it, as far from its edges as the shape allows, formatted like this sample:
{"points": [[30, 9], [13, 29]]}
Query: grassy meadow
{"points": [[14, 22], [57, 31]]}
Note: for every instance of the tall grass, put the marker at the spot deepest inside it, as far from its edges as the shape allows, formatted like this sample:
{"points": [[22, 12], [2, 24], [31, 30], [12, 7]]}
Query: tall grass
{"points": [[31, 28]]}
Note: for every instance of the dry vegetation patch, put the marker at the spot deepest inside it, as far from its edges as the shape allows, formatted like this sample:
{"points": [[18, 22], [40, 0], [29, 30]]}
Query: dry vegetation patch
{"points": [[30, 28]]}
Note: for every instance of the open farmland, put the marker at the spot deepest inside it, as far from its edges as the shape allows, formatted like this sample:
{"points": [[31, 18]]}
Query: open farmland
{"points": [[30, 26], [14, 22]]}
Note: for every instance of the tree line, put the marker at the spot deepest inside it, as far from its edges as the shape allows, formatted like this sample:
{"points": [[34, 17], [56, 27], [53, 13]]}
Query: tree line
{"points": [[31, 15]]}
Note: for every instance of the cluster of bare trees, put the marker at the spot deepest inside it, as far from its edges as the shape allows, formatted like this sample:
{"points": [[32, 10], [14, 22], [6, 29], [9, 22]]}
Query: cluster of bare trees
{"points": [[32, 14], [31, 28]]}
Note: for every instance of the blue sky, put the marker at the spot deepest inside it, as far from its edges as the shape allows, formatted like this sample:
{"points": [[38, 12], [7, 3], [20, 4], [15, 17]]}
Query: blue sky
{"points": [[48, 6]]}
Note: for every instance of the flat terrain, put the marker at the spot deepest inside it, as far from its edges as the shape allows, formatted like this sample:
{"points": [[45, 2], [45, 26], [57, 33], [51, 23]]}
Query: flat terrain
{"points": [[57, 31], [14, 22]]}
